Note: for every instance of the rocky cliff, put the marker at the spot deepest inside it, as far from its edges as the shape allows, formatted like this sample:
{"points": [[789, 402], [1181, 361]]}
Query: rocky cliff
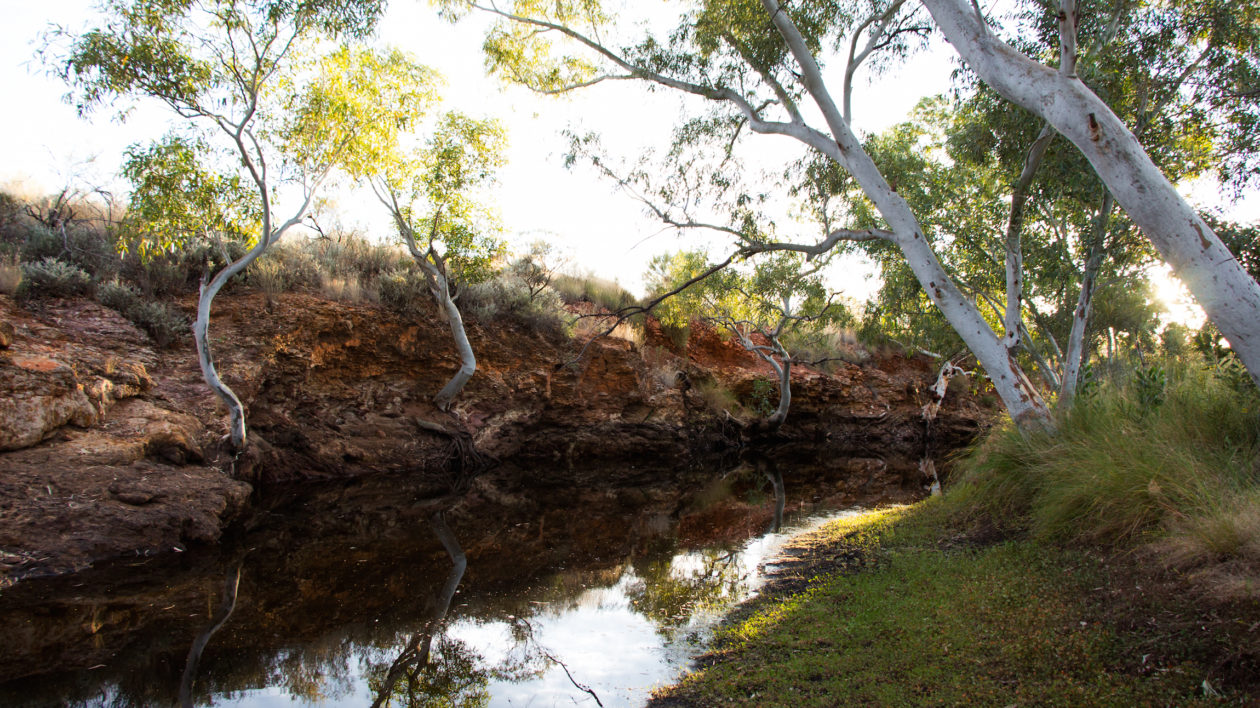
{"points": [[111, 447]]}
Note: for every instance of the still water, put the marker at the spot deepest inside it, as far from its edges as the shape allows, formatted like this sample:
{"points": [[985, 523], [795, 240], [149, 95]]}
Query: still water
{"points": [[401, 610], [613, 638]]}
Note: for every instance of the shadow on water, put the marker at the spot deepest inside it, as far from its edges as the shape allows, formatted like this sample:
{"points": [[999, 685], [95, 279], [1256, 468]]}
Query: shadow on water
{"points": [[362, 593]]}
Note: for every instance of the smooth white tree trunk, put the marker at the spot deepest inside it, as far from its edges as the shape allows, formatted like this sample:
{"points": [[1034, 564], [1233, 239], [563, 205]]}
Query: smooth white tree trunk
{"points": [[1013, 317], [205, 357], [1229, 296], [467, 359], [1075, 357], [440, 287], [1021, 398]]}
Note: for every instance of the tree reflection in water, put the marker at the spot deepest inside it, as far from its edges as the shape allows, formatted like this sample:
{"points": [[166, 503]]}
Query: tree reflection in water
{"points": [[341, 620], [450, 676], [671, 591], [217, 620]]}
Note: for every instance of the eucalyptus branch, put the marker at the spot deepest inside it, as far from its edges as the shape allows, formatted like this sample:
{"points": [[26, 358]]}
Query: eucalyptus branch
{"points": [[625, 313], [585, 84], [856, 58], [1014, 262], [825, 245], [788, 103], [1068, 22], [799, 131]]}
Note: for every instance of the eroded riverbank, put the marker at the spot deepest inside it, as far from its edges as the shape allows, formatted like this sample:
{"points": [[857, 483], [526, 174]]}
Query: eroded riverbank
{"points": [[112, 449]]}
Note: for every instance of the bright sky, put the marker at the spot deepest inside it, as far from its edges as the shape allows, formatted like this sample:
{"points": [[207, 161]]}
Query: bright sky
{"points": [[44, 143]]}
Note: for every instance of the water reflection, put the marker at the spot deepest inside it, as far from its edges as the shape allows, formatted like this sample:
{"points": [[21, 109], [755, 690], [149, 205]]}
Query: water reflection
{"points": [[397, 612], [231, 584], [420, 676]]}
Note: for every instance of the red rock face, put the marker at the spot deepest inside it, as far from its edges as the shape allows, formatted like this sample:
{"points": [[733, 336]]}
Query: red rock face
{"points": [[109, 446]]}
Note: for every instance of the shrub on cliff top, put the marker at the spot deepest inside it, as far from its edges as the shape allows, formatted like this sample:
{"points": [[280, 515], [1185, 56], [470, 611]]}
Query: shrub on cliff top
{"points": [[53, 278], [164, 324]]}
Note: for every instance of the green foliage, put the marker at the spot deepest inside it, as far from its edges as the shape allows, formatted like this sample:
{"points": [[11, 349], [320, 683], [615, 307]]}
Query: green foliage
{"points": [[276, 119], [162, 322], [1149, 383], [285, 267], [178, 202], [764, 397], [574, 289], [536, 267], [356, 109], [151, 47], [117, 296], [53, 278], [354, 256], [433, 192], [824, 346], [507, 297]]}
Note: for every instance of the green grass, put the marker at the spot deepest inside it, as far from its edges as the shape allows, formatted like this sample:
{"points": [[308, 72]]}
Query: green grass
{"points": [[1175, 470], [912, 622]]}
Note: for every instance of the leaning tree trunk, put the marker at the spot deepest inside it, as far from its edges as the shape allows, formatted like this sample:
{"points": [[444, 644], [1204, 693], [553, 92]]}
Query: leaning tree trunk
{"points": [[1020, 397], [467, 359], [772, 355], [1075, 357], [1225, 291], [201, 337]]}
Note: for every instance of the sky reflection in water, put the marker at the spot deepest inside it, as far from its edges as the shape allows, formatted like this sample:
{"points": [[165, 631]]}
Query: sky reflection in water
{"points": [[620, 640]]}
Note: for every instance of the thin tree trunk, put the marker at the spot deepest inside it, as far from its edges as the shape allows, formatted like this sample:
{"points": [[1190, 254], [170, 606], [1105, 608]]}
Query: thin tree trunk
{"points": [[781, 362], [201, 337], [467, 359], [220, 617], [419, 648], [784, 371], [1075, 357], [1225, 291], [441, 289], [1014, 236]]}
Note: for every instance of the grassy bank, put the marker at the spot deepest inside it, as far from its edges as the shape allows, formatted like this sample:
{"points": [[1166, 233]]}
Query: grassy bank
{"points": [[908, 612], [1114, 563]]}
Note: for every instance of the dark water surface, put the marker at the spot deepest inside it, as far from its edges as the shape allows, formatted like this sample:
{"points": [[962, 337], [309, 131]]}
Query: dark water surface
{"points": [[344, 598]]}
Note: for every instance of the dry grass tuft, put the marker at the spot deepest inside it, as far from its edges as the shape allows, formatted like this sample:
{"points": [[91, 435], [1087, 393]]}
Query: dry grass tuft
{"points": [[343, 289], [10, 275]]}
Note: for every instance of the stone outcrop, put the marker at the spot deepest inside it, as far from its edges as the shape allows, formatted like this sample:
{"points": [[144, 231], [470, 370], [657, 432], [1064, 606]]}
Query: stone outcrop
{"points": [[109, 446]]}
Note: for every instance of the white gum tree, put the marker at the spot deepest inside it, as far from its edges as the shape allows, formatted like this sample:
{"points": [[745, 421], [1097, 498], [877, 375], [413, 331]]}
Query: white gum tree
{"points": [[758, 62], [237, 74], [431, 195], [1225, 291]]}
